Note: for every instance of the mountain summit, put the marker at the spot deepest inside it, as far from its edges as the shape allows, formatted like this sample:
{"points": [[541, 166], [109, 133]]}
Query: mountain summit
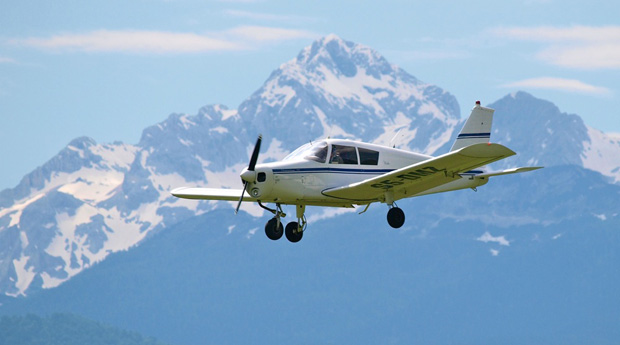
{"points": [[341, 89]]}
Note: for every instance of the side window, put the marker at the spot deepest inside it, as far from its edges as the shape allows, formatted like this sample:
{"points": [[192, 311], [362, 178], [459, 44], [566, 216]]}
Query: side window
{"points": [[343, 155], [368, 157]]}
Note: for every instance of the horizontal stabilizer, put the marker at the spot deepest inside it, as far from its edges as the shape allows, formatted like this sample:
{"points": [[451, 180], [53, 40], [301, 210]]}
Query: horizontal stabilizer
{"points": [[508, 171]]}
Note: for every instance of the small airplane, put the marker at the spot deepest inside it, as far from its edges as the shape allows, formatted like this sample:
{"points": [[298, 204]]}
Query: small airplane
{"points": [[344, 173]]}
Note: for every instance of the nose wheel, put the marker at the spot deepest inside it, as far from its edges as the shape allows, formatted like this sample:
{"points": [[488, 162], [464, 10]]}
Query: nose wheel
{"points": [[274, 228]]}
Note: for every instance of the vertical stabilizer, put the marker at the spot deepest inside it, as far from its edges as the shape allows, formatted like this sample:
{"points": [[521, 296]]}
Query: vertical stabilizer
{"points": [[477, 129]]}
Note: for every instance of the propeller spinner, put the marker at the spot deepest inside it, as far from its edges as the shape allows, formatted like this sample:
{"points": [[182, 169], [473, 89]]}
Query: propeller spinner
{"points": [[249, 175]]}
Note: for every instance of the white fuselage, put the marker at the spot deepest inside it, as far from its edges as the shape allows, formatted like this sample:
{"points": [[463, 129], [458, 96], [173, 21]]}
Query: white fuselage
{"points": [[301, 179]]}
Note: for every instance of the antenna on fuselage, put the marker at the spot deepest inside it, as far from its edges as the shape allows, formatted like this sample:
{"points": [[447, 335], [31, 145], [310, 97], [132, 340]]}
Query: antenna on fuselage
{"points": [[392, 142]]}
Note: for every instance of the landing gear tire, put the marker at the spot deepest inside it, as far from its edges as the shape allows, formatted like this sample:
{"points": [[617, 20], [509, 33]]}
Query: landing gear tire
{"points": [[274, 229], [395, 217], [293, 233]]}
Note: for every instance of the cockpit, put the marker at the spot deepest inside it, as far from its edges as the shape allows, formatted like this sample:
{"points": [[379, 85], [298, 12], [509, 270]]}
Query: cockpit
{"points": [[339, 154]]}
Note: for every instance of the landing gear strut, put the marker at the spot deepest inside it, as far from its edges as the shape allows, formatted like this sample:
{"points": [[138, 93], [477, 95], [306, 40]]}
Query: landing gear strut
{"points": [[274, 228]]}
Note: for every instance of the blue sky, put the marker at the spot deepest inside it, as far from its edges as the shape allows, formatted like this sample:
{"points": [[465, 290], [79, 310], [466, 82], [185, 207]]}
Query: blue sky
{"points": [[108, 69]]}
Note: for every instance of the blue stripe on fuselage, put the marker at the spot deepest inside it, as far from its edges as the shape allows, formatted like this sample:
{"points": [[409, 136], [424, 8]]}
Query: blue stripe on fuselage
{"points": [[331, 170]]}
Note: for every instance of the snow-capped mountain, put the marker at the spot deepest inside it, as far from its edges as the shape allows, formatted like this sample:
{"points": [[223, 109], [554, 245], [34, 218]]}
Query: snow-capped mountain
{"points": [[52, 224], [95, 199], [541, 134], [342, 89]]}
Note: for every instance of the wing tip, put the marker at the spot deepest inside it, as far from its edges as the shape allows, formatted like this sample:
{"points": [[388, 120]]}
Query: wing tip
{"points": [[482, 150]]}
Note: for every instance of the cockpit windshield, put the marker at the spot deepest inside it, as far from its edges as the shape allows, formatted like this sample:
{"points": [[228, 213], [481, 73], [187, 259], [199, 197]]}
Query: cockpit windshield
{"points": [[312, 151]]}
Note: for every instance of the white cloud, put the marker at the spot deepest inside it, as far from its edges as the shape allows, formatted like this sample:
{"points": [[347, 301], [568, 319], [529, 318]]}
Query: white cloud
{"points": [[487, 237], [131, 41], [431, 54], [267, 16], [162, 42], [268, 34], [6, 60], [561, 84], [584, 47], [240, 1], [494, 252], [328, 212]]}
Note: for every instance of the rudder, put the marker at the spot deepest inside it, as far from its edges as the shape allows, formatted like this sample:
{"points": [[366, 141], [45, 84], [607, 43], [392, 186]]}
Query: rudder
{"points": [[477, 128]]}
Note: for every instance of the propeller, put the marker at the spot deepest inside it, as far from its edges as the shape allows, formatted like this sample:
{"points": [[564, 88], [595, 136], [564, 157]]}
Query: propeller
{"points": [[249, 175]]}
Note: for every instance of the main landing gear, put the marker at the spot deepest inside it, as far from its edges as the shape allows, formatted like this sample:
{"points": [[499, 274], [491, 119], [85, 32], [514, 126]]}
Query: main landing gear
{"points": [[294, 231], [395, 216]]}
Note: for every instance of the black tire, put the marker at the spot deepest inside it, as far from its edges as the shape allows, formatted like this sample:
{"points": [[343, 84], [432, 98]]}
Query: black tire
{"points": [[396, 217], [292, 233], [273, 230]]}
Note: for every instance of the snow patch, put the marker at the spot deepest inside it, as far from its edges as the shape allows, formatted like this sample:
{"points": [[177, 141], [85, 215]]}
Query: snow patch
{"points": [[275, 152], [251, 233], [75, 149], [24, 275], [220, 130], [16, 210], [329, 130], [187, 143], [398, 133], [186, 122], [23, 238], [118, 156], [277, 95], [602, 153]]}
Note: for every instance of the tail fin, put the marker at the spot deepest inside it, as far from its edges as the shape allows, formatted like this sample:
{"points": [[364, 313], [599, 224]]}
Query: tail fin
{"points": [[477, 129]]}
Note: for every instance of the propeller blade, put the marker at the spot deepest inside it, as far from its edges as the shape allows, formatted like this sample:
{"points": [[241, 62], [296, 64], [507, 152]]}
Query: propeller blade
{"points": [[251, 167], [254, 157], [245, 183]]}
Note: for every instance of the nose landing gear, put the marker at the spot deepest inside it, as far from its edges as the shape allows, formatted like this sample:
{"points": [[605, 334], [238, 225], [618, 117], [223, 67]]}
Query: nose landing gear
{"points": [[294, 231], [274, 228]]}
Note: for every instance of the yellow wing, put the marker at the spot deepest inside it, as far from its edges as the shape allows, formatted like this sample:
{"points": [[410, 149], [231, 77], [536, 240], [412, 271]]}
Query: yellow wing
{"points": [[422, 176]]}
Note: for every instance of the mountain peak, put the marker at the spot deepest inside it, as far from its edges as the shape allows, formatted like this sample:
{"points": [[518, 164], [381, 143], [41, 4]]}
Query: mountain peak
{"points": [[82, 142], [342, 56], [335, 87]]}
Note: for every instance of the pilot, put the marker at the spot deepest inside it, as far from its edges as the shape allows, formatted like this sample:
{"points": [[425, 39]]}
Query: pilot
{"points": [[336, 159]]}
